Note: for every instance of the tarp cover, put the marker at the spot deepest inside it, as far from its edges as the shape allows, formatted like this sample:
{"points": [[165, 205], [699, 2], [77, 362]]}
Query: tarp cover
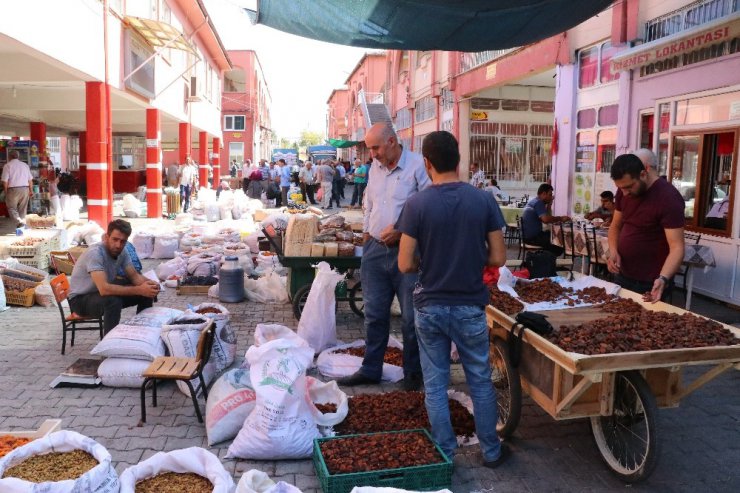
{"points": [[341, 144], [462, 25]]}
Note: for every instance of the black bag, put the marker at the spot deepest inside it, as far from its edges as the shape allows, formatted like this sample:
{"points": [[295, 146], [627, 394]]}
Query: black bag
{"points": [[273, 191], [533, 321], [540, 263]]}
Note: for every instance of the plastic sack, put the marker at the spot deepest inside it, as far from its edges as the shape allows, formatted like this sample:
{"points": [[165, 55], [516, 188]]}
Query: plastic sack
{"points": [[334, 365], [230, 400], [194, 459], [182, 341], [122, 372], [183, 219], [281, 425], [264, 333], [175, 267], [268, 289], [131, 203], [100, 479], [224, 344], [225, 212], [255, 481], [318, 324], [91, 233], [213, 291], [327, 393], [143, 243], [42, 295], [3, 299], [165, 245], [277, 220], [373, 489], [213, 212]]}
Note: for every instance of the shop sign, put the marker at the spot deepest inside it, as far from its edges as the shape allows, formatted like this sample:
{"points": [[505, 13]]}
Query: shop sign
{"points": [[513, 145], [687, 42], [236, 135], [479, 116], [491, 71], [152, 143]]}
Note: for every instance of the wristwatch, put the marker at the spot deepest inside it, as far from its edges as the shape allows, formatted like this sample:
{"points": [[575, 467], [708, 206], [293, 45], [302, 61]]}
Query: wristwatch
{"points": [[664, 279]]}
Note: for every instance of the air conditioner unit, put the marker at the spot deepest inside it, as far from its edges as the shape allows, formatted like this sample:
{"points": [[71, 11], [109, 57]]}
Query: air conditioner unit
{"points": [[194, 94]]}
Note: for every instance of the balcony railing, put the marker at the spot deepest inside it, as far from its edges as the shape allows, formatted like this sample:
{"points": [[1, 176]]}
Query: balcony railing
{"points": [[692, 15], [469, 61], [369, 97]]}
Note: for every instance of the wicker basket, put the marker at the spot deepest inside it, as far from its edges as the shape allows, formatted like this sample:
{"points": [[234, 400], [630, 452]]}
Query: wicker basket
{"points": [[62, 261], [22, 283], [24, 298]]}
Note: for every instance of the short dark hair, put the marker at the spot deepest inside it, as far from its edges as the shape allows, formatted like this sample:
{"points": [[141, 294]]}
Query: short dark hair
{"points": [[544, 188], [14, 154], [627, 164], [607, 194], [441, 149], [281, 160], [494, 182], [119, 225]]}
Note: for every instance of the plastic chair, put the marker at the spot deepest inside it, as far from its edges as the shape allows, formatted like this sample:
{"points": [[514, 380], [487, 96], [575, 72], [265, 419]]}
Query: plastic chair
{"points": [[72, 322], [179, 368]]}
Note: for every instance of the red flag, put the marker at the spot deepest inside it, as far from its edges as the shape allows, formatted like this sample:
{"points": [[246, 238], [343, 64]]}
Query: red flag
{"points": [[554, 145]]}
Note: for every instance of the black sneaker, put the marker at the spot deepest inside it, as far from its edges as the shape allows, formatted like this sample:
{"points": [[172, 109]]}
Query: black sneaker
{"points": [[357, 378], [413, 381], [505, 453]]}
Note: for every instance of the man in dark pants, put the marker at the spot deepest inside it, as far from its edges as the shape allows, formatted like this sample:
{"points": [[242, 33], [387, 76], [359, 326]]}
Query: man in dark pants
{"points": [[646, 243], [396, 174], [93, 289], [536, 213]]}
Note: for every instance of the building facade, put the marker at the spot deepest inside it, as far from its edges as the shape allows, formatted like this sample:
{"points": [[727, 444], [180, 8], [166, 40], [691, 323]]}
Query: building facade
{"points": [[246, 103], [140, 78]]}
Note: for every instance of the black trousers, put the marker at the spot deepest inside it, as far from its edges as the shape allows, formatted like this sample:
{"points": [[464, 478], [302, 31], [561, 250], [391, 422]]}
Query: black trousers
{"points": [[357, 193], [307, 191], [543, 240], [95, 305]]}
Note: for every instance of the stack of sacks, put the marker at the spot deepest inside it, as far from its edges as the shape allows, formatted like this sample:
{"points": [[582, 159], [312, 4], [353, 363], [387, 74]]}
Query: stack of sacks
{"points": [[165, 245], [204, 264], [181, 337], [143, 242], [132, 345]]}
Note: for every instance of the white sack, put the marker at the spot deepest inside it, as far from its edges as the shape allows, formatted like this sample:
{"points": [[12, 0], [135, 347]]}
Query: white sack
{"points": [[143, 243], [224, 344], [100, 479], [268, 289], [175, 267], [194, 459], [165, 245], [281, 425], [182, 341], [318, 324], [255, 481], [264, 333], [334, 365], [327, 393], [122, 372], [230, 400]]}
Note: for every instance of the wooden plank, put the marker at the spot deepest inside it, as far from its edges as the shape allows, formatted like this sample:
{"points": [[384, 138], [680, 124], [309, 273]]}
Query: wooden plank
{"points": [[703, 379], [573, 395], [574, 316], [606, 394], [540, 398]]}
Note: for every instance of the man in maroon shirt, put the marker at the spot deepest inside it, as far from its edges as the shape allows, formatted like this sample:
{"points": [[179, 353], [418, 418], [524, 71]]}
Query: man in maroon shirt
{"points": [[646, 241]]}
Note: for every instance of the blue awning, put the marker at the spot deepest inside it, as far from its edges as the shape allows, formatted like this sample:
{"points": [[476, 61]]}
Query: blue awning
{"points": [[463, 25]]}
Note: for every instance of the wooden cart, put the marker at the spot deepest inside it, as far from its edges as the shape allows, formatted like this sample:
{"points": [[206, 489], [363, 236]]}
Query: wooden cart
{"points": [[618, 392]]}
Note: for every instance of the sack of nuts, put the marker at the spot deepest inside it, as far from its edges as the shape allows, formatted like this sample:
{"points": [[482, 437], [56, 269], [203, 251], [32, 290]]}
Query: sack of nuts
{"points": [[65, 461]]}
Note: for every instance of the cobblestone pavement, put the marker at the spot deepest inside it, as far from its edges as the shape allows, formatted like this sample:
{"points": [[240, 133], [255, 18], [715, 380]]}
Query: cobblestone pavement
{"points": [[700, 439]]}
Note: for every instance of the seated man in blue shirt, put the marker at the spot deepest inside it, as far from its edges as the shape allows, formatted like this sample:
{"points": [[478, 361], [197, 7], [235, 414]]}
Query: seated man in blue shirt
{"points": [[536, 213], [457, 231]]}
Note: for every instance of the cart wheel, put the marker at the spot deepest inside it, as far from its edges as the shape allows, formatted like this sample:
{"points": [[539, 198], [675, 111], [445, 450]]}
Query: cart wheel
{"points": [[299, 300], [627, 439], [508, 388], [355, 300]]}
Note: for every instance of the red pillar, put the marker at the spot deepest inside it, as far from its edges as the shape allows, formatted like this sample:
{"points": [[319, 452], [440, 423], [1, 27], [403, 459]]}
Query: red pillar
{"points": [[38, 133], [109, 151], [184, 142], [153, 164], [203, 159], [96, 150], [216, 157]]}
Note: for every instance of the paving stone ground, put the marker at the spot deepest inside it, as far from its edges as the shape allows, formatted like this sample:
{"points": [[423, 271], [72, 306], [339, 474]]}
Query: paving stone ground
{"points": [[700, 439]]}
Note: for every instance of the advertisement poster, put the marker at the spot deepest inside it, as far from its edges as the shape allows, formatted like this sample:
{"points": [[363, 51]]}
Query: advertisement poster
{"points": [[582, 193]]}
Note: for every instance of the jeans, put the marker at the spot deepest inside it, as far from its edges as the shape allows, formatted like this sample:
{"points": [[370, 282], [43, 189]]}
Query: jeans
{"points": [[381, 280], [436, 327], [284, 195], [95, 305], [185, 197], [357, 193]]}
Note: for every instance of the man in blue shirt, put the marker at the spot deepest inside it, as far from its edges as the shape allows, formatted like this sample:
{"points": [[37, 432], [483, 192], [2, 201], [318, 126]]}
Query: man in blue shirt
{"points": [[536, 213], [359, 177], [285, 175], [457, 231]]}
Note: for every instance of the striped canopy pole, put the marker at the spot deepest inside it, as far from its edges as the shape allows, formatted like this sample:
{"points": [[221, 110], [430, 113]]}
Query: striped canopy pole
{"points": [[203, 159], [96, 145], [216, 161]]}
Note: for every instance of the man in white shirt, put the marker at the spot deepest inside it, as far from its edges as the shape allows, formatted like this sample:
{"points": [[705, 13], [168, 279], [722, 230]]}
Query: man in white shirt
{"points": [[18, 186], [477, 178], [187, 178]]}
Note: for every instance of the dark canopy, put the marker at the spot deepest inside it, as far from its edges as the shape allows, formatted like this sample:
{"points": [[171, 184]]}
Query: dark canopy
{"points": [[341, 144], [462, 25]]}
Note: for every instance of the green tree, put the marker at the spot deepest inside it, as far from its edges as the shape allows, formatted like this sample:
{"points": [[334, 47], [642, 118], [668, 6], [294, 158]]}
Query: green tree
{"points": [[285, 143], [309, 138]]}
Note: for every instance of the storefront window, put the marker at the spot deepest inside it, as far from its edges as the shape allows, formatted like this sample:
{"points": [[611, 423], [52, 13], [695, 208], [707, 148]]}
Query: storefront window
{"points": [[129, 152], [236, 151], [664, 125], [607, 52], [647, 120], [684, 170], [586, 118], [608, 115], [588, 67], [606, 151], [717, 108], [717, 172]]}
